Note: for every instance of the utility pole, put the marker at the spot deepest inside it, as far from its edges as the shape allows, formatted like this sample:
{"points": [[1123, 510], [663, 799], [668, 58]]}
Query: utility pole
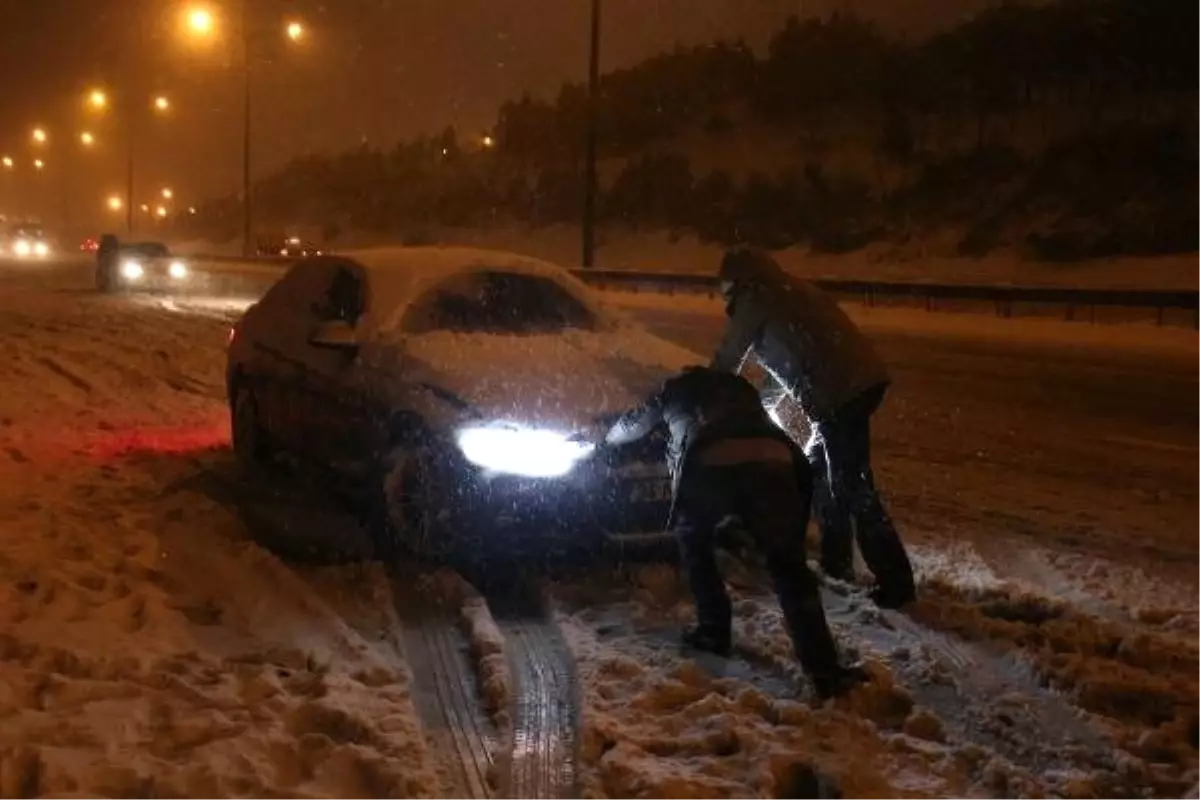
{"points": [[130, 124], [247, 207], [589, 190]]}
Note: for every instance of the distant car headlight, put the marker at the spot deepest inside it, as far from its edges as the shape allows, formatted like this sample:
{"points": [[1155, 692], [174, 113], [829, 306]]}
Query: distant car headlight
{"points": [[521, 451], [41, 249], [132, 270], [22, 247], [177, 270]]}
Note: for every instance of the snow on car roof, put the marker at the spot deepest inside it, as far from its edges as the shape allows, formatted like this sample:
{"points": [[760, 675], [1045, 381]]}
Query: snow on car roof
{"points": [[398, 275]]}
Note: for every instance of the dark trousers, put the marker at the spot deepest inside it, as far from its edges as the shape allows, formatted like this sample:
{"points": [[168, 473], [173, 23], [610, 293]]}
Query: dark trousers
{"points": [[846, 503], [773, 507]]}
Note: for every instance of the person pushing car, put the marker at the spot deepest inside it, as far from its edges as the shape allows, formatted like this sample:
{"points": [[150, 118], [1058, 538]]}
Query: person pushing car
{"points": [[728, 460], [820, 358]]}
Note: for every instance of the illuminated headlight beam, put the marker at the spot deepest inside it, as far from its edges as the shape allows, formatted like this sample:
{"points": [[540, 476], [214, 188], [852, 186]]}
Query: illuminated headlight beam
{"points": [[22, 247], [41, 249], [132, 270], [522, 451]]}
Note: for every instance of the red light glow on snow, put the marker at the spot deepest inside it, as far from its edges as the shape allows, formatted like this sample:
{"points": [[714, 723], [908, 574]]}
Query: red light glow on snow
{"points": [[164, 440]]}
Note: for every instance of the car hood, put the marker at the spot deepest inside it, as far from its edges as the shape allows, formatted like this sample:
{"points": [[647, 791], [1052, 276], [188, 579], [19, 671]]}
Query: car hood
{"points": [[566, 381]]}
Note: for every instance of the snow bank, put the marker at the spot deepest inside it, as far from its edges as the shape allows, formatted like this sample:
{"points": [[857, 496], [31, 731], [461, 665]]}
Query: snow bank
{"points": [[658, 722], [661, 252], [148, 645]]}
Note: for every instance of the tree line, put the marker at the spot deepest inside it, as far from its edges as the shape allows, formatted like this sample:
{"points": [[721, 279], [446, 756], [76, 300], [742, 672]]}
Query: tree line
{"points": [[1066, 128]]}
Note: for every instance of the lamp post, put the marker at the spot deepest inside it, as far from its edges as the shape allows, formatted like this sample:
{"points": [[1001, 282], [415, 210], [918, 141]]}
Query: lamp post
{"points": [[201, 22], [589, 179]]}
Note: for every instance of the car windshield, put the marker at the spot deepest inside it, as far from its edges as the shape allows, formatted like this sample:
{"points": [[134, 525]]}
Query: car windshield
{"points": [[500, 302], [147, 249]]}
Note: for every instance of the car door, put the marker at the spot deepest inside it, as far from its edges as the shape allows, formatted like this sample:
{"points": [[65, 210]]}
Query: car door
{"points": [[279, 328], [337, 413]]}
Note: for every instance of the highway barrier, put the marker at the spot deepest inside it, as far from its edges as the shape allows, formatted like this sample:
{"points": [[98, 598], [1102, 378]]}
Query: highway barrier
{"points": [[1167, 307]]}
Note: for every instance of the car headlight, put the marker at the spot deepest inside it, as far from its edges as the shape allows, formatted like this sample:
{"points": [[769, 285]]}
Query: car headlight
{"points": [[41, 249], [522, 451], [132, 270], [22, 247], [177, 270]]}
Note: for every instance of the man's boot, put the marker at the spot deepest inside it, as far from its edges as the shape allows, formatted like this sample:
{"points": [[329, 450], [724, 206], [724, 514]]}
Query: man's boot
{"points": [[816, 650]]}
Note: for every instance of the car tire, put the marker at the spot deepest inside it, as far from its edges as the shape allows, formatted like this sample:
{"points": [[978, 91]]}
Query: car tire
{"points": [[249, 439], [409, 514]]}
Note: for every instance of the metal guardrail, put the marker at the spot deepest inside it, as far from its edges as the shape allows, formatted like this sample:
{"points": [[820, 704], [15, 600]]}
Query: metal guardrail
{"points": [[1004, 298], [1074, 302]]}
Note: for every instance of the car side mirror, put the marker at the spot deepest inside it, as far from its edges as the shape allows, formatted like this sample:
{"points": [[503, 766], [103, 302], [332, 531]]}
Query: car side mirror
{"points": [[336, 334]]}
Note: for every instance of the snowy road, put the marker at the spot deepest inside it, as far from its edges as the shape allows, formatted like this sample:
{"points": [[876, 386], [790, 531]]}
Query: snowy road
{"points": [[160, 632]]}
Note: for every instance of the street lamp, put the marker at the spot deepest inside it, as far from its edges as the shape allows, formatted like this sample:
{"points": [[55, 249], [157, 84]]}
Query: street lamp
{"points": [[87, 139], [8, 162], [38, 164], [293, 30], [167, 194], [97, 99], [115, 203], [160, 212], [162, 103], [200, 21], [40, 136]]}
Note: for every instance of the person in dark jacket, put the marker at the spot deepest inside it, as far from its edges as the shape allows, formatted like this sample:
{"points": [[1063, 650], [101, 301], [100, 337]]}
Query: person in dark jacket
{"points": [[728, 460], [818, 355], [107, 258]]}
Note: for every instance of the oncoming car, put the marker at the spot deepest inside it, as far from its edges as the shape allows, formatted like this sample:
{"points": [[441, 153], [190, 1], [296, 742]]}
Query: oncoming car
{"points": [[143, 265], [461, 395], [27, 242]]}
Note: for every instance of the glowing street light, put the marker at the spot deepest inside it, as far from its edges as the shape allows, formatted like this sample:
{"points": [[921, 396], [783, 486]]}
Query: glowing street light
{"points": [[167, 194], [191, 209], [160, 211], [295, 31], [87, 139], [39, 164], [161, 103], [97, 99], [145, 208], [115, 203], [200, 22], [40, 136], [8, 162], [488, 142]]}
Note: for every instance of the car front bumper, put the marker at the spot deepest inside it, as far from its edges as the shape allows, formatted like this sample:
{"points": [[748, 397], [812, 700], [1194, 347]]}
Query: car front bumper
{"points": [[589, 507]]}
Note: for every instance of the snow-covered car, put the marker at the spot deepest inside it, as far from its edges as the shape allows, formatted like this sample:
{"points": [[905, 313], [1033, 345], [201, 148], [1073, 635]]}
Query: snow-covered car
{"points": [[148, 266], [462, 395]]}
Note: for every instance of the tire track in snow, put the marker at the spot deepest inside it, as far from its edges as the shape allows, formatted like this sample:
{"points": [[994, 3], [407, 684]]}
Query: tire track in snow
{"points": [[545, 714], [544, 763], [446, 695]]}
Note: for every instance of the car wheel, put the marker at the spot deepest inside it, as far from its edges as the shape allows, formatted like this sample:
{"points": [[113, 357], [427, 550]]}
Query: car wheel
{"points": [[249, 440], [412, 503]]}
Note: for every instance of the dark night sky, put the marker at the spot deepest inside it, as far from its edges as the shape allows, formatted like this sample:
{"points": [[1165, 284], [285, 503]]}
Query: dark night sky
{"points": [[373, 70]]}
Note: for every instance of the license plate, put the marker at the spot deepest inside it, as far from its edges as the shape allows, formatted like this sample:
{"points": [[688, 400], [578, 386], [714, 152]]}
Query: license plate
{"points": [[650, 490]]}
